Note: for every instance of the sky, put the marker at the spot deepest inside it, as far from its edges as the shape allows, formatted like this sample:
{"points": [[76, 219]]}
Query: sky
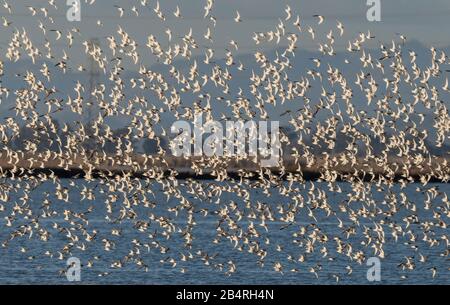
{"points": [[424, 21]]}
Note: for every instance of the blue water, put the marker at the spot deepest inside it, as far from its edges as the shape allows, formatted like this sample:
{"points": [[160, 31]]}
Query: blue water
{"points": [[36, 267]]}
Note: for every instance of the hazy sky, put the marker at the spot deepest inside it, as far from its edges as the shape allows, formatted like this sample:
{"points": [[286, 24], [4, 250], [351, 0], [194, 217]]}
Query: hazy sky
{"points": [[425, 21]]}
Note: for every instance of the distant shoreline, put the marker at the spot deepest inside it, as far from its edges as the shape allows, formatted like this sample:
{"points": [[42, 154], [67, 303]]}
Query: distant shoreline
{"points": [[307, 175], [153, 166]]}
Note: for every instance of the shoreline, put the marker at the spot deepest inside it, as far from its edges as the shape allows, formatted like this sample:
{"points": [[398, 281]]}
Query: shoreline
{"points": [[156, 166]]}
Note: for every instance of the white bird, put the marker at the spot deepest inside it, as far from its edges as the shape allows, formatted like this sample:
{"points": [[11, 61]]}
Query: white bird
{"points": [[288, 13], [238, 17], [121, 10], [320, 18], [177, 12], [7, 6], [311, 31], [340, 27]]}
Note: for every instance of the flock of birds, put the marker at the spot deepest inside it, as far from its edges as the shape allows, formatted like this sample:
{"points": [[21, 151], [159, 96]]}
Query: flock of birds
{"points": [[392, 99]]}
